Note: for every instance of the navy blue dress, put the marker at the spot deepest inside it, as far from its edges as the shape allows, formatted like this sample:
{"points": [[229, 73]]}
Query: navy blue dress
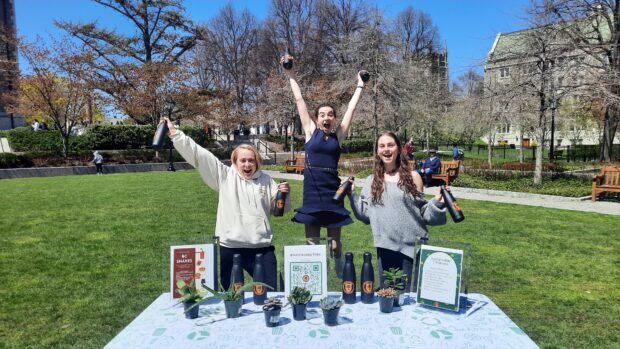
{"points": [[320, 184]]}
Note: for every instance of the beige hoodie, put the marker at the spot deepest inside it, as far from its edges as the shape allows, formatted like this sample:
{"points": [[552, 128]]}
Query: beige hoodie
{"points": [[244, 206]]}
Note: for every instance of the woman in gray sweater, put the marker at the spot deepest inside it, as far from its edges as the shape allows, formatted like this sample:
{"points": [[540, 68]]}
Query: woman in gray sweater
{"points": [[393, 204]]}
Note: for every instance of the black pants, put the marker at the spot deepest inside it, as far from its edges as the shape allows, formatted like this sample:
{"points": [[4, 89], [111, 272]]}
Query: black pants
{"points": [[270, 264], [387, 259], [99, 168]]}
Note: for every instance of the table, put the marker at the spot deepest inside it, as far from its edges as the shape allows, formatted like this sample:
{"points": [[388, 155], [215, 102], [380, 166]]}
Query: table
{"points": [[483, 325]]}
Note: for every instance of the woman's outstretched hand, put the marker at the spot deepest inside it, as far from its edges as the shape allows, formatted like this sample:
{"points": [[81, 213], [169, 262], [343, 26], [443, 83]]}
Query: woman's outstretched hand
{"points": [[439, 197], [171, 129]]}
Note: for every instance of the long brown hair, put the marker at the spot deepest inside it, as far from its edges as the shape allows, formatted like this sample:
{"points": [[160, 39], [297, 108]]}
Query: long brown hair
{"points": [[405, 182]]}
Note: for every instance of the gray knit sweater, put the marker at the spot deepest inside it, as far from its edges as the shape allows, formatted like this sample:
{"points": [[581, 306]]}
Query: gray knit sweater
{"points": [[400, 221]]}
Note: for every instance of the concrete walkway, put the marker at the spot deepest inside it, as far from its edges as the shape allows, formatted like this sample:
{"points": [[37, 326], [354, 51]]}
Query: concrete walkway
{"points": [[507, 197]]}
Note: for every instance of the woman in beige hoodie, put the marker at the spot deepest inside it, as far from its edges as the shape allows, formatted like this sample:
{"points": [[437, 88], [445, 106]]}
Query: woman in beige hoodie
{"points": [[246, 196]]}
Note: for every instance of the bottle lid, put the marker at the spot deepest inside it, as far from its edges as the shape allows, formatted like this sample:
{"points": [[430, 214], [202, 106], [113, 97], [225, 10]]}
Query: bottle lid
{"points": [[367, 256], [236, 258], [348, 257]]}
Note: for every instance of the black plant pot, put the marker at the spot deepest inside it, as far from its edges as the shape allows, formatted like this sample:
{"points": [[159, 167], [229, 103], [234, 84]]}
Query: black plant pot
{"points": [[331, 316], [386, 305], [400, 298], [233, 308], [272, 317], [299, 311], [191, 313]]}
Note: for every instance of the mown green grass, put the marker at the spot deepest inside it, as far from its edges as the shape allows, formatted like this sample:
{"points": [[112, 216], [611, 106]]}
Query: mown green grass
{"points": [[82, 256]]}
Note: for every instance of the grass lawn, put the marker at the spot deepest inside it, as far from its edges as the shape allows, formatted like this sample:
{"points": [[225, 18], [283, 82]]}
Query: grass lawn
{"points": [[81, 256]]}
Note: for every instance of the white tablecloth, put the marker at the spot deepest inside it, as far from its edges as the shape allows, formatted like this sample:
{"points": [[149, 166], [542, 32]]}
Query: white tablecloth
{"points": [[484, 325]]}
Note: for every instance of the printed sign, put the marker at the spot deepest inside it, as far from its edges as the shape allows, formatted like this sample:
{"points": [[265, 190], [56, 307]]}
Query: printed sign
{"points": [[191, 262], [439, 282], [305, 266]]}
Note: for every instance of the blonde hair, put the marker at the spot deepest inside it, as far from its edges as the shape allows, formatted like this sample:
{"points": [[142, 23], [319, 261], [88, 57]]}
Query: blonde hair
{"points": [[235, 154]]}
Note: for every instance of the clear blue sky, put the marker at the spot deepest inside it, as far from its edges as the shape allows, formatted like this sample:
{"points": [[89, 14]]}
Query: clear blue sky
{"points": [[468, 27]]}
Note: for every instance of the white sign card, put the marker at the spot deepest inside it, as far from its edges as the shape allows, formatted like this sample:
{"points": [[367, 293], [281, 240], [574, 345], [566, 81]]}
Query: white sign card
{"points": [[305, 266], [439, 280], [191, 262]]}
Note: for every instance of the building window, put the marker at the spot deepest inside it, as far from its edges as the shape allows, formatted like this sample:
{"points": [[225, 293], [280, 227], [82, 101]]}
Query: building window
{"points": [[504, 72], [504, 128]]}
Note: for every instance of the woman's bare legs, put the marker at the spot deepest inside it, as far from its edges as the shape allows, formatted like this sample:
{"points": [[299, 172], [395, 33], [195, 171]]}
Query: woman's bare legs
{"points": [[313, 237]]}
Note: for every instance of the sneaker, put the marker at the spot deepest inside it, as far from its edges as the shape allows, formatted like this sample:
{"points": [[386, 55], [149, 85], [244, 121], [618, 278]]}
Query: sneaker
{"points": [[339, 266]]}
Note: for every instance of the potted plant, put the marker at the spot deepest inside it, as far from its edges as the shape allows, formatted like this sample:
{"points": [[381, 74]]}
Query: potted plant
{"points": [[396, 279], [386, 299], [190, 297], [299, 298], [331, 307], [233, 299], [271, 309]]}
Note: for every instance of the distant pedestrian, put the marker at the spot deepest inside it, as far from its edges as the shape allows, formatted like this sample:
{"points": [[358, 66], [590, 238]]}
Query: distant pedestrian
{"points": [[455, 151], [35, 125], [98, 160], [409, 149], [43, 126]]}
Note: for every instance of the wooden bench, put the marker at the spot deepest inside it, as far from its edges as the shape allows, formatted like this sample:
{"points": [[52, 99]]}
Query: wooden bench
{"points": [[608, 180], [448, 172], [296, 165]]}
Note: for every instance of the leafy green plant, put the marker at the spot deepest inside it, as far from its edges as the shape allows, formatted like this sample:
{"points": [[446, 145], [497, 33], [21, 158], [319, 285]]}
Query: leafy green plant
{"points": [[232, 294], [299, 295], [272, 303], [330, 303], [189, 293], [387, 293], [395, 278]]}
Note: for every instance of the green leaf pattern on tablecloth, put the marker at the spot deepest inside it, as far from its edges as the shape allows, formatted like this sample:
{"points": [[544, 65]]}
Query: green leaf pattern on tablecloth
{"points": [[361, 326]]}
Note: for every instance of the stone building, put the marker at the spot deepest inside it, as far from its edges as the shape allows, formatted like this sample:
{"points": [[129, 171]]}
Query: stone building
{"points": [[524, 65], [9, 70]]}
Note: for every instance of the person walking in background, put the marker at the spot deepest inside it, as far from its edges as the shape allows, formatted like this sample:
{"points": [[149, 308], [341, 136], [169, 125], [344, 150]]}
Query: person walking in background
{"points": [[409, 149], [98, 160], [35, 125], [245, 197], [392, 203], [431, 165], [323, 141]]}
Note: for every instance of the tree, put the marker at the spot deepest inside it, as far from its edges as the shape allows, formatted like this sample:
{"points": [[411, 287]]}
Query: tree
{"points": [[593, 27], [55, 88], [117, 61]]}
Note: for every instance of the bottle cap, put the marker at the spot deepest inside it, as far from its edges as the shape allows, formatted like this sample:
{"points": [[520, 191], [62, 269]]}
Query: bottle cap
{"points": [[367, 256], [236, 258], [348, 257]]}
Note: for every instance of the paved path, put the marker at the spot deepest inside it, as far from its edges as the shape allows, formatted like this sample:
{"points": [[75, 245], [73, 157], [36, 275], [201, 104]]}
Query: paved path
{"points": [[508, 197]]}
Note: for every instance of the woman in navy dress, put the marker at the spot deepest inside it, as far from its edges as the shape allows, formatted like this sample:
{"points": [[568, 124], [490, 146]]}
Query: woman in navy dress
{"points": [[321, 180]]}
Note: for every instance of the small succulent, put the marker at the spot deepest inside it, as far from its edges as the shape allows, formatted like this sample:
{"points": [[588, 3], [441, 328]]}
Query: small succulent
{"points": [[272, 303], [329, 303], [232, 294], [299, 295], [387, 293]]}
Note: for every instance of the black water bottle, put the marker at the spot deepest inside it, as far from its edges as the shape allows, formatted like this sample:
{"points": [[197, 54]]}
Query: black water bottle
{"points": [[343, 190], [368, 279], [160, 135], [258, 275], [236, 274], [278, 205], [288, 60], [348, 279], [453, 206], [365, 75]]}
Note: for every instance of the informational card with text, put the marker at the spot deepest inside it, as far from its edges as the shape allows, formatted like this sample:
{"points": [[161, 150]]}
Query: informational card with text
{"points": [[189, 262], [439, 280], [305, 266]]}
